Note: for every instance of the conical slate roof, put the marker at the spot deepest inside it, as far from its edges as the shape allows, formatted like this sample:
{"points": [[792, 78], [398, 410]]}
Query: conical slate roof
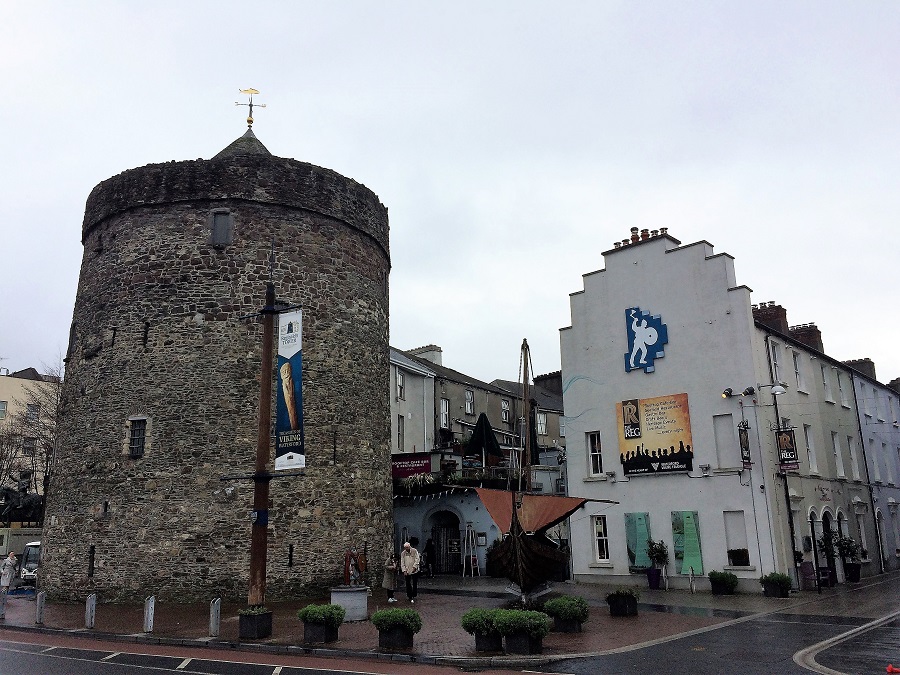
{"points": [[248, 144]]}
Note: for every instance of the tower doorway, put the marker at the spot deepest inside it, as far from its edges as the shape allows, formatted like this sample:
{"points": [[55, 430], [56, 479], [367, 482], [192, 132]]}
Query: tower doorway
{"points": [[445, 531]]}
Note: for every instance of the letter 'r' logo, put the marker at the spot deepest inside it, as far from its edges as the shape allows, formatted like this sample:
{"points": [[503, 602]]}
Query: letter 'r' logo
{"points": [[646, 337]]}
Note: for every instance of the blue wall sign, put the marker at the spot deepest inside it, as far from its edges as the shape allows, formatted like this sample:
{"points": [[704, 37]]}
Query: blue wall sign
{"points": [[646, 337]]}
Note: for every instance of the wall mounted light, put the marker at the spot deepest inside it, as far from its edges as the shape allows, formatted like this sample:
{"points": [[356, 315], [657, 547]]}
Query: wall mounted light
{"points": [[611, 475], [749, 391], [728, 393], [705, 469]]}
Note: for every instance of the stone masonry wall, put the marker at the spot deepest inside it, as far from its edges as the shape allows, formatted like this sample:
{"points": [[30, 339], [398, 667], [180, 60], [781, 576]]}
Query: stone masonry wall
{"points": [[157, 333]]}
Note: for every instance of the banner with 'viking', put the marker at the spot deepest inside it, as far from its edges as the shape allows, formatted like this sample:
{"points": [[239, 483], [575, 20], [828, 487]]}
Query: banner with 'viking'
{"points": [[289, 452]]}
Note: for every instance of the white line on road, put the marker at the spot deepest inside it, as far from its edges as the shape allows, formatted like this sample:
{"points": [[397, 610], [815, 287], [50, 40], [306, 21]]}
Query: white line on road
{"points": [[807, 657], [183, 664], [113, 655]]}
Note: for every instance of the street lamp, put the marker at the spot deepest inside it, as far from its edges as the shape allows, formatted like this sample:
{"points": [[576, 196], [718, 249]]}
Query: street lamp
{"points": [[782, 441]]}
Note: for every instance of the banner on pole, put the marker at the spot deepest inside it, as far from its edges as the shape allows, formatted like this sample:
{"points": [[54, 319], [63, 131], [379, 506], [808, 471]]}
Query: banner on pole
{"points": [[289, 450]]}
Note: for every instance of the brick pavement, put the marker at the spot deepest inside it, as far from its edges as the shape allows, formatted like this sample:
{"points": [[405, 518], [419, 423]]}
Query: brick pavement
{"points": [[441, 602]]}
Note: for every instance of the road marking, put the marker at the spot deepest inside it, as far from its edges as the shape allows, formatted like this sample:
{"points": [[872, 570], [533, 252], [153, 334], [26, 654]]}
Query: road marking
{"points": [[111, 656], [277, 671], [807, 657], [183, 664]]}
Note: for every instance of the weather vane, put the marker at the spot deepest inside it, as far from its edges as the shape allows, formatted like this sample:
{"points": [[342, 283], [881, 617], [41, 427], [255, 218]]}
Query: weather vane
{"points": [[250, 93]]}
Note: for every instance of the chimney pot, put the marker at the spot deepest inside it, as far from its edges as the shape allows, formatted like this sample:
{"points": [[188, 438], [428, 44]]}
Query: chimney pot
{"points": [[645, 234]]}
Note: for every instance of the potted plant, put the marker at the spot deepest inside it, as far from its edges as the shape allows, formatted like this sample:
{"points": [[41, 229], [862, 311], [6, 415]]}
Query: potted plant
{"points": [[321, 622], [396, 627], [776, 585], [722, 583], [523, 630], [850, 553], [254, 622], [480, 623], [739, 557], [658, 553], [622, 602], [568, 613]]}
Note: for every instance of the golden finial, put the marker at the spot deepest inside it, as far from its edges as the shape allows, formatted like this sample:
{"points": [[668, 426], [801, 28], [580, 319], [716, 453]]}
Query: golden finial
{"points": [[250, 93]]}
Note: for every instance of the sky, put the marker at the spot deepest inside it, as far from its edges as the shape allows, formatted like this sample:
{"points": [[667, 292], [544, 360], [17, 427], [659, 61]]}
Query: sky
{"points": [[512, 142]]}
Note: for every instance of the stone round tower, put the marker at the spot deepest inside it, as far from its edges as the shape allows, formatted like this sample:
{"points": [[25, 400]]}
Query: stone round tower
{"points": [[162, 386]]}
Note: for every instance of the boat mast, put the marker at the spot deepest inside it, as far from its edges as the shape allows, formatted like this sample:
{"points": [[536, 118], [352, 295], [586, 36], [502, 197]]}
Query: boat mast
{"points": [[526, 407]]}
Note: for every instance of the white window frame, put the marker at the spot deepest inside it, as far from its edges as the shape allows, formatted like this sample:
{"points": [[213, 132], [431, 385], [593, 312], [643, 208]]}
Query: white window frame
{"points": [[541, 423], [562, 427], [889, 465], [845, 401], [445, 413], [594, 453], [401, 432], [32, 412], [600, 536], [470, 402], [838, 457], [860, 526], [826, 385], [854, 464], [3, 407], [504, 410], [810, 449], [867, 408], [876, 465], [798, 373], [401, 385], [776, 365]]}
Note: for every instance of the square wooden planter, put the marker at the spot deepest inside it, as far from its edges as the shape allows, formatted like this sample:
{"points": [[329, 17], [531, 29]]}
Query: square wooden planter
{"points": [[623, 606], [566, 625], [488, 642], [254, 626], [523, 643], [395, 638], [319, 633]]}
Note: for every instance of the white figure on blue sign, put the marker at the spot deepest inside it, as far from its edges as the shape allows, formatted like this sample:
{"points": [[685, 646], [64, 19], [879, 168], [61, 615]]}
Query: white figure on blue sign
{"points": [[642, 335]]}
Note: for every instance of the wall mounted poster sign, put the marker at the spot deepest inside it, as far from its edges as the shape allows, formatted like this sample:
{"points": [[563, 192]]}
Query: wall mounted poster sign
{"points": [[787, 450], [655, 435], [646, 336], [686, 542], [289, 450]]}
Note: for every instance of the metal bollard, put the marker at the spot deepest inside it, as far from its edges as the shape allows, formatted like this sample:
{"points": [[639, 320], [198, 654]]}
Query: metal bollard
{"points": [[215, 616], [39, 608], [3, 605], [90, 610], [149, 608]]}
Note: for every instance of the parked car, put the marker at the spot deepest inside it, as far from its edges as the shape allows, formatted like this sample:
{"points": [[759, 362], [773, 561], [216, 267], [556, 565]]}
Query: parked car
{"points": [[28, 565]]}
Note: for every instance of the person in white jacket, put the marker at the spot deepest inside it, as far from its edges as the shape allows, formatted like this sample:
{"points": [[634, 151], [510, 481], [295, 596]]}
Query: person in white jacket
{"points": [[409, 568], [8, 572]]}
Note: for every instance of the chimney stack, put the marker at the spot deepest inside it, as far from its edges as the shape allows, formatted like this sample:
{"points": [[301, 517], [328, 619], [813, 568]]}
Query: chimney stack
{"points": [[772, 316], [428, 352], [865, 366], [808, 334]]}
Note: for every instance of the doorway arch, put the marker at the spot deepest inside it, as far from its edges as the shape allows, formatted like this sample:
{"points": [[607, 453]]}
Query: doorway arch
{"points": [[443, 527]]}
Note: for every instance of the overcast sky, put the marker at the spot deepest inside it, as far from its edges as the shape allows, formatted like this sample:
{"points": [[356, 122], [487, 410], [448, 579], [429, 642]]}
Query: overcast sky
{"points": [[512, 143]]}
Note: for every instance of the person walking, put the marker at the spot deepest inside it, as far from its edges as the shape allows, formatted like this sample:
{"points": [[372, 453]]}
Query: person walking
{"points": [[409, 568], [389, 582], [8, 572]]}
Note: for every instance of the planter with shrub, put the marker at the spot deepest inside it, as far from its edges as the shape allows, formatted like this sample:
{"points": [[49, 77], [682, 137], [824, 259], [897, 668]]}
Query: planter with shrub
{"points": [[622, 602], [658, 553], [776, 585], [321, 622], [722, 583], [254, 623], [480, 623], [396, 627], [568, 613], [523, 630]]}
